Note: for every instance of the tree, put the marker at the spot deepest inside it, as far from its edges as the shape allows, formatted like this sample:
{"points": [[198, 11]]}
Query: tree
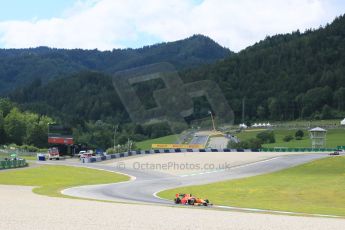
{"points": [[98, 135], [287, 138], [5, 106], [299, 134], [157, 130], [15, 126], [328, 78], [138, 129], [266, 137], [339, 98], [326, 112], [314, 100], [299, 103], [274, 108], [261, 111], [38, 136], [2, 129], [253, 143], [31, 121]]}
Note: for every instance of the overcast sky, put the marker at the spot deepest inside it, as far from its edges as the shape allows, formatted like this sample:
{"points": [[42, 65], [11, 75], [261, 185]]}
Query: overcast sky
{"points": [[108, 24]]}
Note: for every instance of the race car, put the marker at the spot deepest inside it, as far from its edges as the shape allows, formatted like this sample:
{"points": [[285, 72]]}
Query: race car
{"points": [[335, 153], [189, 199]]}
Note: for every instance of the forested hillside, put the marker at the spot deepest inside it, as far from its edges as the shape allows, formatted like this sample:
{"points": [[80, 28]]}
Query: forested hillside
{"points": [[82, 97], [297, 75], [19, 67], [284, 77]]}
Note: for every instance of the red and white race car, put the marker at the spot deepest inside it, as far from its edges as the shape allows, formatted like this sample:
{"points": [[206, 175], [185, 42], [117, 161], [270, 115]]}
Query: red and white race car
{"points": [[189, 199]]}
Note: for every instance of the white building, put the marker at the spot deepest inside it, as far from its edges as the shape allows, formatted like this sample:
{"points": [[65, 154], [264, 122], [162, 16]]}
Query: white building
{"points": [[243, 126], [342, 122], [318, 137]]}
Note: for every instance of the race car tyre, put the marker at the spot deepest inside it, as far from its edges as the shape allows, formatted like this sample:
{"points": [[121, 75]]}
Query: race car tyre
{"points": [[177, 200], [191, 201]]}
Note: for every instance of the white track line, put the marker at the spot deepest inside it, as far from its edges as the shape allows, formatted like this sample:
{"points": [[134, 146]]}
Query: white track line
{"points": [[257, 210], [155, 195], [218, 206], [222, 170], [85, 166], [132, 178]]}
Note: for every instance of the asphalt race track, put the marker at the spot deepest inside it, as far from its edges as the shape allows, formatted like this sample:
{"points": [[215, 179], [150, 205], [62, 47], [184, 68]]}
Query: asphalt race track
{"points": [[199, 139], [147, 183]]}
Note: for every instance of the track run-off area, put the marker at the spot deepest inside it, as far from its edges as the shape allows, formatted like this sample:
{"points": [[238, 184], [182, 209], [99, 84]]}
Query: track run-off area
{"points": [[134, 204], [149, 177]]}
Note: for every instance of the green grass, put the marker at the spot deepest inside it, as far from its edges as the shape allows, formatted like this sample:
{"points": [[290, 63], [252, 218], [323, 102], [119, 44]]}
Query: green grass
{"points": [[248, 134], [50, 180], [335, 137], [313, 123], [29, 157], [162, 140], [315, 187]]}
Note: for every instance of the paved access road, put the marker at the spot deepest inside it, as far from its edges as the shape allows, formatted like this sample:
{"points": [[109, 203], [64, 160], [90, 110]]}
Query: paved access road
{"points": [[218, 142], [147, 183], [199, 140]]}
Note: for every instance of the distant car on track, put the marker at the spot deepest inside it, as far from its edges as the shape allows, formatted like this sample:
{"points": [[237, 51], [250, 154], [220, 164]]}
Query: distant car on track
{"points": [[53, 154], [81, 153], [335, 153]]}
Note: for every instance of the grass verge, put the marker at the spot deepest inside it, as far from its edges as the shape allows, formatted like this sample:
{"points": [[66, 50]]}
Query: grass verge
{"points": [[171, 139], [317, 187], [334, 138], [51, 180]]}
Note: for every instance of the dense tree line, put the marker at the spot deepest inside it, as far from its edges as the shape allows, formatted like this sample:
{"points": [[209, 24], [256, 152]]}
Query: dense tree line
{"points": [[20, 127], [291, 76], [89, 104], [27, 128], [74, 100], [100, 134]]}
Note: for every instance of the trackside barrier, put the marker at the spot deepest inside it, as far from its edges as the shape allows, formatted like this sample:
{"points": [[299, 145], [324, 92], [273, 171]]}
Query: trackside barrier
{"points": [[7, 164], [297, 149], [157, 151], [340, 147]]}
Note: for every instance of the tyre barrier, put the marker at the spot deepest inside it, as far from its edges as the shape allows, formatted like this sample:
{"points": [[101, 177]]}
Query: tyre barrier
{"points": [[297, 149], [8, 164], [157, 151], [340, 148]]}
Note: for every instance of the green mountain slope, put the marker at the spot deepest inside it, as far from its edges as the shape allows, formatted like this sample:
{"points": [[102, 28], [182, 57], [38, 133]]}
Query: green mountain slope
{"points": [[285, 76], [297, 75], [19, 67]]}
